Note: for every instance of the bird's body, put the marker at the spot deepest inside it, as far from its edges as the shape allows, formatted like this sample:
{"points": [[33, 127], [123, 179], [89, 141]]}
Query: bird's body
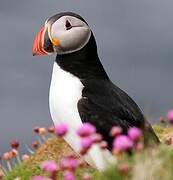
{"points": [[81, 91]]}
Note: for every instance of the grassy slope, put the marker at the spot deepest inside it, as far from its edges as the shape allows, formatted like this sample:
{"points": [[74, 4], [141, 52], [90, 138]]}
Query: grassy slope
{"points": [[154, 164]]}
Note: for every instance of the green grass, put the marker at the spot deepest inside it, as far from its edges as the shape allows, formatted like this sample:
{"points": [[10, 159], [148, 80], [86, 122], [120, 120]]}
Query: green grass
{"points": [[152, 164]]}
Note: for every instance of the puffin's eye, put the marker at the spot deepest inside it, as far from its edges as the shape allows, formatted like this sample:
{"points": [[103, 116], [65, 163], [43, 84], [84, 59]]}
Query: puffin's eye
{"points": [[68, 25]]}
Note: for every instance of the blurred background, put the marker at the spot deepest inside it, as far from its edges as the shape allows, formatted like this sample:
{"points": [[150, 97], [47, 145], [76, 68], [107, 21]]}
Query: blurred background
{"points": [[135, 44]]}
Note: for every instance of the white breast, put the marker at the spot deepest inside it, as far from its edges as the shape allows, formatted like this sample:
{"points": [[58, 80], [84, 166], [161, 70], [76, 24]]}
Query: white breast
{"points": [[65, 92]]}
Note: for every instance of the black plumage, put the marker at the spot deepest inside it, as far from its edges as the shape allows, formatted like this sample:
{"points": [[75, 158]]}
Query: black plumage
{"points": [[103, 104]]}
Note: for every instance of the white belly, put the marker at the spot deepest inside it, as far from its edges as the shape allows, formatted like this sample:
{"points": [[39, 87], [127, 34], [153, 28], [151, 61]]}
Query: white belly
{"points": [[65, 92]]}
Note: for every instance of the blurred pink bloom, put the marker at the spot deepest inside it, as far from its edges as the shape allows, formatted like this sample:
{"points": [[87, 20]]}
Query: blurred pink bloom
{"points": [[25, 157], [86, 143], [162, 119], [96, 138], [14, 144], [36, 130], [134, 134], [7, 156], [61, 129], [42, 131], [168, 139], [122, 143], [49, 166], [14, 152], [38, 178], [69, 163], [170, 116], [73, 164], [68, 175], [123, 168], [115, 131], [35, 145], [51, 129], [103, 145], [86, 176], [86, 129]]}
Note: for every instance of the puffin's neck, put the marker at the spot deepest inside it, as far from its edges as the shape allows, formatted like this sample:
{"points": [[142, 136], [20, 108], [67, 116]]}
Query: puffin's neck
{"points": [[84, 64]]}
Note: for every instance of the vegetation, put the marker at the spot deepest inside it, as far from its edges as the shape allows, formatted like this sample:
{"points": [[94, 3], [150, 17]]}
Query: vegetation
{"points": [[153, 163]]}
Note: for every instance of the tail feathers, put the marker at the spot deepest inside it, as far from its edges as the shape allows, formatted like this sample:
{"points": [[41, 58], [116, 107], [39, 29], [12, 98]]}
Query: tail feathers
{"points": [[150, 138]]}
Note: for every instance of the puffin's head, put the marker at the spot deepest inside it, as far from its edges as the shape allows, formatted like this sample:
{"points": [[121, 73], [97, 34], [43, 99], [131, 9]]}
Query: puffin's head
{"points": [[62, 33]]}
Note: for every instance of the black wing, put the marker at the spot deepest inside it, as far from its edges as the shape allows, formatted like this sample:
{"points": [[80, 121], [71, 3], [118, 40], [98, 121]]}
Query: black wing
{"points": [[105, 105]]}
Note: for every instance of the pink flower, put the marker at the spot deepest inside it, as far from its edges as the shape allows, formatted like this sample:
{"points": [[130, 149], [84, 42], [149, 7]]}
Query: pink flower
{"points": [[115, 131], [86, 143], [103, 145], [73, 164], [61, 129], [7, 156], [51, 129], [69, 163], [38, 178], [122, 143], [96, 138], [134, 134], [69, 176], [86, 176], [15, 144], [36, 130], [25, 157], [170, 116], [42, 131], [86, 129], [49, 166]]}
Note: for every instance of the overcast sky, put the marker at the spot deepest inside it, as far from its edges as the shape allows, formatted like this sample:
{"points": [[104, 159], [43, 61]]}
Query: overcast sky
{"points": [[135, 43]]}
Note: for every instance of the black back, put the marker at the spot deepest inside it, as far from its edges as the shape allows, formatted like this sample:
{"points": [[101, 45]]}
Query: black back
{"points": [[102, 104]]}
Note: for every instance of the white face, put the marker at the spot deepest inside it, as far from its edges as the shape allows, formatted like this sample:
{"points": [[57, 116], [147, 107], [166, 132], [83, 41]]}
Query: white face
{"points": [[71, 33]]}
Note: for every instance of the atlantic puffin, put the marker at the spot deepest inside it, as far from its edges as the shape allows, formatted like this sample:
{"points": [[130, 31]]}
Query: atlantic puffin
{"points": [[80, 89]]}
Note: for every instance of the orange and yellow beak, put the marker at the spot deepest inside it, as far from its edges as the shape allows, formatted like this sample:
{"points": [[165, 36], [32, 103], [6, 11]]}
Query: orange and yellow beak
{"points": [[38, 46], [43, 43]]}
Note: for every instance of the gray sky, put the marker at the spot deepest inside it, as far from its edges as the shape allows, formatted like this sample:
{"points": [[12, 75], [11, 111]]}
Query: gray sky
{"points": [[135, 42]]}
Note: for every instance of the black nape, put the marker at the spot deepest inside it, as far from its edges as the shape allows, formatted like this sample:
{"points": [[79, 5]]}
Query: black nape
{"points": [[85, 63]]}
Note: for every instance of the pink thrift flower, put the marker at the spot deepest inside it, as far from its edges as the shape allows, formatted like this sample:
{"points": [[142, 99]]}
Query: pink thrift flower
{"points": [[69, 176], [122, 143], [25, 157], [134, 134], [170, 116], [61, 129], [69, 163], [38, 178], [36, 130], [49, 166], [103, 145], [14, 144], [86, 176], [96, 138], [86, 129], [86, 143], [73, 164], [115, 131]]}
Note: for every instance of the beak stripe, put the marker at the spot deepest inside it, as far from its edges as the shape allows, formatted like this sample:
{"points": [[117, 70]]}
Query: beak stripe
{"points": [[38, 43]]}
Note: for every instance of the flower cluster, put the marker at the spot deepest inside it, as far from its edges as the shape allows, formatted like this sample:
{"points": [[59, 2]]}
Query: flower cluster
{"points": [[88, 137], [123, 142], [12, 157]]}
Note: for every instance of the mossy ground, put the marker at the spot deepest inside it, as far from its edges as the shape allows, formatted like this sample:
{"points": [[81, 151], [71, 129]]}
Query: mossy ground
{"points": [[152, 164]]}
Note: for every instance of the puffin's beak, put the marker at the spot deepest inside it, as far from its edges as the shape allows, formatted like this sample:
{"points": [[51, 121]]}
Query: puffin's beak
{"points": [[38, 46]]}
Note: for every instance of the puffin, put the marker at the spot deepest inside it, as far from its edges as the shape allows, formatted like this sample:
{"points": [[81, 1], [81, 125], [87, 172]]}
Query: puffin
{"points": [[80, 89]]}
